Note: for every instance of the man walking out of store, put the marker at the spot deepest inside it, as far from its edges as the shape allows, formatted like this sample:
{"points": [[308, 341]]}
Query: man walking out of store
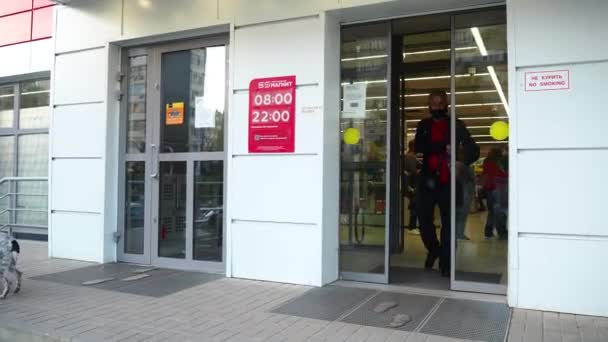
{"points": [[433, 142]]}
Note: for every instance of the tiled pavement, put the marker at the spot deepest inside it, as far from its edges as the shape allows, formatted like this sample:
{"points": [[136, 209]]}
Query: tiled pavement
{"points": [[222, 310]]}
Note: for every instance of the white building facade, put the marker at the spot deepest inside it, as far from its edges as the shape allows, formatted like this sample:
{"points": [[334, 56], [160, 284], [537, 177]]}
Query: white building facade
{"points": [[126, 184]]}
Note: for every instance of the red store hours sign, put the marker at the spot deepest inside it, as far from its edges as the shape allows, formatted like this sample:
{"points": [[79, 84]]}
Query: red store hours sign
{"points": [[547, 80], [272, 124]]}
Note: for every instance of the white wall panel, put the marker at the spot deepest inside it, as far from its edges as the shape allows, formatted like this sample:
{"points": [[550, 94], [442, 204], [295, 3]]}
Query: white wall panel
{"points": [[77, 185], [41, 55], [76, 236], [87, 23], [279, 49], [570, 118], [309, 138], [78, 130], [80, 77], [564, 275], [277, 252], [162, 16], [559, 31], [245, 12], [276, 188], [568, 187], [15, 59]]}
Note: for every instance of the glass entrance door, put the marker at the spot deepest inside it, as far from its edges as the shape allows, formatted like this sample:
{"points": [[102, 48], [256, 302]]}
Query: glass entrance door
{"points": [[364, 175], [392, 228], [182, 151]]}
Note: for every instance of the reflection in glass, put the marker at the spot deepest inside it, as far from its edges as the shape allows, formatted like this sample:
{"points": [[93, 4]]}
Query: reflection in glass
{"points": [[208, 210], [201, 127], [136, 108], [6, 170], [364, 53], [134, 207], [482, 204], [34, 104], [7, 109], [172, 210], [32, 163]]}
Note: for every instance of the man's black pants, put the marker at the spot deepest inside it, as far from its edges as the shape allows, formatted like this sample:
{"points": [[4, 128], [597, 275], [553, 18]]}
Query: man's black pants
{"points": [[427, 200]]}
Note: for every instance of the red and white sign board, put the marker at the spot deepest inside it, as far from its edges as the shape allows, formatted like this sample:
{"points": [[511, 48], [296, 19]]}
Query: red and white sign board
{"points": [[548, 80], [272, 109]]}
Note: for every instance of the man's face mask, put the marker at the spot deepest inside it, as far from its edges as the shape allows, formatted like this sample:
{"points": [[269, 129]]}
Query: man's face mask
{"points": [[439, 113]]}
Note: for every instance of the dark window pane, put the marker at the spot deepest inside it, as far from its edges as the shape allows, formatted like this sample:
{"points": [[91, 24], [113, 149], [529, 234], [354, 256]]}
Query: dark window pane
{"points": [[192, 130], [7, 102], [172, 210], [208, 210], [34, 111], [135, 207]]}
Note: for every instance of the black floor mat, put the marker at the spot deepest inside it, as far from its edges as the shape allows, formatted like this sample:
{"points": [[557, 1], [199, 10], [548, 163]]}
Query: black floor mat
{"points": [[159, 283]]}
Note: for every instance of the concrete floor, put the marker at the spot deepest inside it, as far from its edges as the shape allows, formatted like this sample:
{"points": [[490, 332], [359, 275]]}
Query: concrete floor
{"points": [[223, 310]]}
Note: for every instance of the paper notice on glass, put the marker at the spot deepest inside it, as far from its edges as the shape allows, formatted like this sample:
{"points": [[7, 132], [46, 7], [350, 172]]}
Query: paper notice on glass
{"points": [[204, 117], [354, 101]]}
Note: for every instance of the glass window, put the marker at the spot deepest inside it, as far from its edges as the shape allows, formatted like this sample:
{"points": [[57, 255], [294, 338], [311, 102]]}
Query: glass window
{"points": [[32, 158], [7, 165], [363, 155], [172, 210], [135, 207], [7, 106], [208, 210], [136, 111], [481, 103], [206, 70], [16, 28], [34, 103]]}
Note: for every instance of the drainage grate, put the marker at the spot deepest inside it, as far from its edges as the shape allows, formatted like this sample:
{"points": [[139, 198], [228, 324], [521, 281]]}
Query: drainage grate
{"points": [[470, 320], [416, 306], [325, 303]]}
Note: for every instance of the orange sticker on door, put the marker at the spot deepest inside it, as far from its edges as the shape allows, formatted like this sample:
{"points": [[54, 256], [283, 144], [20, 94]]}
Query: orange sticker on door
{"points": [[174, 113]]}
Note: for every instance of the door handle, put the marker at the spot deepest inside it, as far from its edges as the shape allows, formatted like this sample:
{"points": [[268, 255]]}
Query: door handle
{"points": [[155, 161]]}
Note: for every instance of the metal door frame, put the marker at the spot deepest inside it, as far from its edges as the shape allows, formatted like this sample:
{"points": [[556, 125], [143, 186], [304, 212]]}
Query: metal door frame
{"points": [[153, 157]]}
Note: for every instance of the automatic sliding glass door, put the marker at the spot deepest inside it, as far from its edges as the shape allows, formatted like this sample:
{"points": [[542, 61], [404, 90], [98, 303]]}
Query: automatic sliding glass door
{"points": [[480, 201], [364, 176]]}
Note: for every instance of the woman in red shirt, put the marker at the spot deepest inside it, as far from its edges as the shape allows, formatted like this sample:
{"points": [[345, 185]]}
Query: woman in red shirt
{"points": [[494, 181]]}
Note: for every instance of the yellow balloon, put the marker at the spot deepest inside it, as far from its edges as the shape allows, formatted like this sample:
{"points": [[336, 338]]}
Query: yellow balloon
{"points": [[352, 136], [499, 130]]}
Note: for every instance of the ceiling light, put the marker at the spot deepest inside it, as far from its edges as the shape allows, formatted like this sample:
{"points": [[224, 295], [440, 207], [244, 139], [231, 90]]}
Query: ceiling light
{"points": [[479, 41], [438, 50], [363, 58], [499, 88]]}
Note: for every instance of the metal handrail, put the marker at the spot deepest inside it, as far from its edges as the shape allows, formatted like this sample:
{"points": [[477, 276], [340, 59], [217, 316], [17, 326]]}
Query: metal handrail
{"points": [[11, 210]]}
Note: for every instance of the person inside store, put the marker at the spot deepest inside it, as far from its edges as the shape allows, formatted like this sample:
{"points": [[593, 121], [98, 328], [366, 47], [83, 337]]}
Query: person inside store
{"points": [[433, 142], [494, 182]]}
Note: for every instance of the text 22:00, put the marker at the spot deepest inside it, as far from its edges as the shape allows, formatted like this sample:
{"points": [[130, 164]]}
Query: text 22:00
{"points": [[275, 116]]}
